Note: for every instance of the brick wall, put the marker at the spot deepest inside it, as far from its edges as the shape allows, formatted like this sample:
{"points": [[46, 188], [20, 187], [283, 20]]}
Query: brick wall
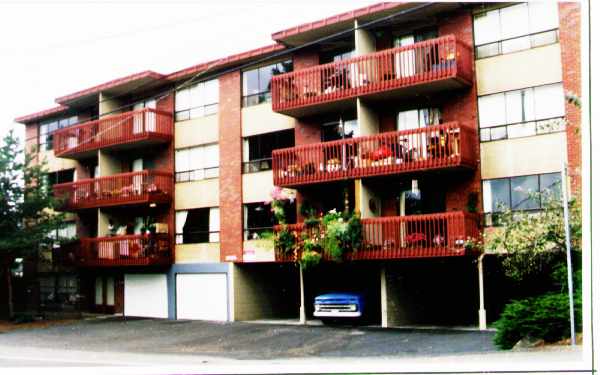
{"points": [[31, 137], [462, 107], [230, 174], [570, 39]]}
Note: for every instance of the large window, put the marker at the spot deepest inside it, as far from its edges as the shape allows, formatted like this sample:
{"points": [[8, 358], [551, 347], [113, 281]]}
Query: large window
{"points": [[259, 221], [59, 177], [197, 163], [515, 28], [342, 129], [258, 149], [201, 99], [256, 85], [521, 113], [515, 193], [48, 127], [199, 225]]}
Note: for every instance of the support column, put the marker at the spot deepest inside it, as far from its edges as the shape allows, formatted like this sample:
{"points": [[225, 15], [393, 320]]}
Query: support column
{"points": [[482, 313], [302, 310], [384, 312]]}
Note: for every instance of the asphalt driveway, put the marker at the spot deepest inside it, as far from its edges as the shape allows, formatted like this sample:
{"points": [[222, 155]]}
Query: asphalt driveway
{"points": [[248, 340]]}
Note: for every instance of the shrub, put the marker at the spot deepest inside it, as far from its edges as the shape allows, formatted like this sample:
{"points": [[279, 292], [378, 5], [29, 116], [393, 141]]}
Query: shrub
{"points": [[545, 317], [310, 259], [285, 240]]}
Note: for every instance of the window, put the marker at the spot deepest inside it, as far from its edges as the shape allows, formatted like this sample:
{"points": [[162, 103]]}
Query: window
{"points": [[521, 113], [47, 128], [258, 219], [418, 118], [256, 83], [258, 149], [199, 100], [197, 163], [342, 129], [199, 225], [66, 232], [515, 28], [515, 193], [60, 177]]}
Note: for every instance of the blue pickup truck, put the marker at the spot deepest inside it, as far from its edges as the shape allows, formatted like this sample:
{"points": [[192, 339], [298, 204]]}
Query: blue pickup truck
{"points": [[339, 306]]}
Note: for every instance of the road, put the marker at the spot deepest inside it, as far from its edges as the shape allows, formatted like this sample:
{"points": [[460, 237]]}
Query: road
{"points": [[192, 346]]}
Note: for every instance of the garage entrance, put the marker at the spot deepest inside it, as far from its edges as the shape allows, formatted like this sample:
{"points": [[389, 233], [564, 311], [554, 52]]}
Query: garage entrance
{"points": [[201, 296], [146, 295], [355, 277], [266, 291]]}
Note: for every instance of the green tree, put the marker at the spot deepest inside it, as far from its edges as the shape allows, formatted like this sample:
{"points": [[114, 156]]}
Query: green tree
{"points": [[27, 216]]}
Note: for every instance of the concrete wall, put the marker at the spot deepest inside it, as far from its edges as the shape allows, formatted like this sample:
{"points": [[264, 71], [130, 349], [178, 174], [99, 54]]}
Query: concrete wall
{"points": [[265, 291], [262, 250], [257, 186], [523, 156], [197, 194], [54, 164], [108, 164], [197, 131], [533, 67], [260, 119], [197, 253]]}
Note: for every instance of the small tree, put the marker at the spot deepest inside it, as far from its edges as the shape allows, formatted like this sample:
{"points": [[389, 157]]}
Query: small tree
{"points": [[27, 216]]}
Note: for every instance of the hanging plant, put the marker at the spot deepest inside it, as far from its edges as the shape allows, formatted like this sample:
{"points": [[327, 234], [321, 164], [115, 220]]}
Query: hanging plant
{"points": [[285, 240], [310, 259]]}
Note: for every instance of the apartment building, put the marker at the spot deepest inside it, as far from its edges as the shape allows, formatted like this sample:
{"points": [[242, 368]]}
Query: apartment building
{"points": [[422, 117]]}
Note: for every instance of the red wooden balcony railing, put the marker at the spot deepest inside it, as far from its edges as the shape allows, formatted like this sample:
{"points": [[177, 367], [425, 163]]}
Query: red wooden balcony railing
{"points": [[439, 59], [130, 250], [121, 189], [136, 126], [397, 237], [433, 147]]}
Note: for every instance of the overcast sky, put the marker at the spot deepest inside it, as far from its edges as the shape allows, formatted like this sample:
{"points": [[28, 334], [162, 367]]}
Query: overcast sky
{"points": [[52, 48]]}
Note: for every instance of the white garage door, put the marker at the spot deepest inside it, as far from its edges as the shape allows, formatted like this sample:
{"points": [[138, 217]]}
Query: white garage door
{"points": [[146, 295], [202, 296]]}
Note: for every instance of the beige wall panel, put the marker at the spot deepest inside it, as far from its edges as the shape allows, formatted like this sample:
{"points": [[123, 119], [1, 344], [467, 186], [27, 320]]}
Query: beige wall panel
{"points": [[54, 164], [534, 67], [197, 131], [257, 187], [196, 194], [259, 250], [260, 119], [108, 165], [364, 41], [197, 253], [523, 156], [368, 120]]}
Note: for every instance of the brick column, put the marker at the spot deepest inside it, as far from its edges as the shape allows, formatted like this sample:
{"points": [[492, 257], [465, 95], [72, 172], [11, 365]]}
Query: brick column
{"points": [[570, 30], [462, 107], [230, 173]]}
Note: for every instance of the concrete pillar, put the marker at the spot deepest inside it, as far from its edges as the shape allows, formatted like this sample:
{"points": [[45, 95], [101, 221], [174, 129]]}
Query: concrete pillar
{"points": [[384, 298], [302, 307], [364, 41], [482, 313]]}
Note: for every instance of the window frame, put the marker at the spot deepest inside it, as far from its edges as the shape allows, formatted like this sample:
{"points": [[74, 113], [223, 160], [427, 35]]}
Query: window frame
{"points": [[208, 109], [485, 132], [263, 96], [266, 163], [189, 175], [213, 235], [491, 214], [530, 36]]}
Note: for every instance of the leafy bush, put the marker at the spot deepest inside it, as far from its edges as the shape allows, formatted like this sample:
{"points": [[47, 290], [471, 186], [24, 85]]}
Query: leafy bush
{"points": [[285, 240], [309, 259], [545, 317]]}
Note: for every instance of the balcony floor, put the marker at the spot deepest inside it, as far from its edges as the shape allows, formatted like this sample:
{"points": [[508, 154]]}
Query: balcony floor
{"points": [[147, 140]]}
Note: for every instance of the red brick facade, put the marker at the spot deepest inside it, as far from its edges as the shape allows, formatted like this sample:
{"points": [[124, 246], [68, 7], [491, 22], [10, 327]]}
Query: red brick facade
{"points": [[462, 107], [230, 173], [570, 44]]}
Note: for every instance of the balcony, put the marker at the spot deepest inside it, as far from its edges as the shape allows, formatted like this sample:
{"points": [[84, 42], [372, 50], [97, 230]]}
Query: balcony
{"points": [[443, 146], [421, 68], [142, 187], [400, 237], [120, 251], [131, 129]]}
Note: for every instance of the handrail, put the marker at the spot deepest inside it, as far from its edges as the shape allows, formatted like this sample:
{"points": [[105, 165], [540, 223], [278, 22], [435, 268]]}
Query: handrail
{"points": [[415, 236], [432, 147], [421, 62]]}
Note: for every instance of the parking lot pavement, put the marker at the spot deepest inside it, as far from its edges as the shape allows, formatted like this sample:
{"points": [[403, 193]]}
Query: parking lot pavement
{"points": [[246, 341]]}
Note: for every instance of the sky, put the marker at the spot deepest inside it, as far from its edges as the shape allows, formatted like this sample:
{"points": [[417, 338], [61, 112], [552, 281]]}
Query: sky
{"points": [[52, 48]]}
